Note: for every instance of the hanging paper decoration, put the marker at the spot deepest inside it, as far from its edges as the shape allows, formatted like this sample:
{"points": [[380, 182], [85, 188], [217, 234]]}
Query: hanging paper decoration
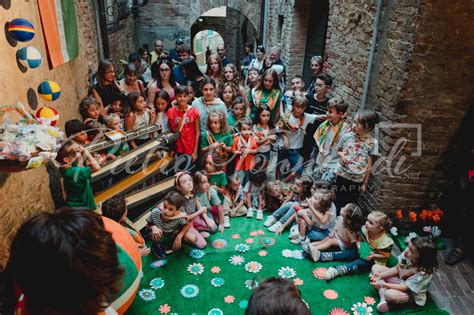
{"points": [[49, 90], [21, 30], [48, 115], [29, 57], [59, 21]]}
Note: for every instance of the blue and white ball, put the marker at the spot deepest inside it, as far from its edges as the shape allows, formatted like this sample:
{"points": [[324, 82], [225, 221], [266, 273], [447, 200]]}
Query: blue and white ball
{"points": [[29, 57]]}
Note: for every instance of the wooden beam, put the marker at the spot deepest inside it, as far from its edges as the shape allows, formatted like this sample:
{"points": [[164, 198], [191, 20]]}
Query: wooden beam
{"points": [[132, 180], [149, 192]]}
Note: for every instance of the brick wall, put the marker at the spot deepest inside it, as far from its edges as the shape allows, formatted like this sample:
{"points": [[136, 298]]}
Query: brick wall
{"points": [[122, 41]]}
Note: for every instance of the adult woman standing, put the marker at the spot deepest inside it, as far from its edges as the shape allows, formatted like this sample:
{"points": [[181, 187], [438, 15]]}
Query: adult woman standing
{"points": [[257, 63], [131, 83], [317, 69], [106, 89], [214, 69], [162, 79], [208, 102]]}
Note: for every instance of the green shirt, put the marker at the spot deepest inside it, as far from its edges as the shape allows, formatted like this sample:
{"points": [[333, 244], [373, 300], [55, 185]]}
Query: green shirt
{"points": [[222, 137], [77, 187], [220, 180]]}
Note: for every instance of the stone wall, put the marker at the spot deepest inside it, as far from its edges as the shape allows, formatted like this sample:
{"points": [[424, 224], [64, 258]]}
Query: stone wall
{"points": [[122, 41], [25, 193], [410, 66]]}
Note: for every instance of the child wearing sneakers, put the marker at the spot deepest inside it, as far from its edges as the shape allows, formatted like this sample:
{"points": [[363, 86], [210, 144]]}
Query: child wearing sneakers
{"points": [[301, 192], [234, 200], [254, 192]]}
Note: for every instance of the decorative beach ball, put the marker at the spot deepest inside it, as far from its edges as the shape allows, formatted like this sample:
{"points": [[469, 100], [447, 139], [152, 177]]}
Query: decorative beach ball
{"points": [[29, 57], [47, 114], [49, 90], [130, 260], [21, 29]]}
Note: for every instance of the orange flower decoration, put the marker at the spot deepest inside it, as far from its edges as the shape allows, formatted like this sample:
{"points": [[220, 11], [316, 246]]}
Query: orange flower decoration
{"points": [[438, 212], [424, 215], [436, 218], [412, 216], [399, 214]]}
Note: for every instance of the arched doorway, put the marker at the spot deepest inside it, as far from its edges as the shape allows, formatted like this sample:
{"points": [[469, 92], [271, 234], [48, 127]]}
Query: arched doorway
{"points": [[203, 40]]}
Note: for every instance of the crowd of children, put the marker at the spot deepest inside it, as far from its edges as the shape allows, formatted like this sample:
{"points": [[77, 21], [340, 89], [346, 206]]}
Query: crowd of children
{"points": [[236, 141]]}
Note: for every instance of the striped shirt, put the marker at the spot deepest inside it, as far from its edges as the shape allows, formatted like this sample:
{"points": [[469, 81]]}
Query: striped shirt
{"points": [[169, 228]]}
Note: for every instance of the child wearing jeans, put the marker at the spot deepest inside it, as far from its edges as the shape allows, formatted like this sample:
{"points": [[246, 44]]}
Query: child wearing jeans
{"points": [[410, 279], [255, 193]]}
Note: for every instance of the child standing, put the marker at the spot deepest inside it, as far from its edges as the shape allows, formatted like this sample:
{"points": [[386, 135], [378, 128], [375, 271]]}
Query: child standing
{"points": [[227, 94], [266, 94], [116, 209], [169, 225], [255, 192], [162, 105], [236, 114], [208, 198], [263, 129], [297, 87], [356, 151], [346, 231], [217, 137], [90, 110], [327, 136], [374, 247], [410, 279], [139, 117], [244, 148], [185, 120], [213, 165], [76, 176], [114, 122], [76, 131]]}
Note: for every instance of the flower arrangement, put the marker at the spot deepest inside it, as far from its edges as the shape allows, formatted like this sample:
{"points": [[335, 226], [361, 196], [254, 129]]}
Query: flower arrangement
{"points": [[408, 224]]}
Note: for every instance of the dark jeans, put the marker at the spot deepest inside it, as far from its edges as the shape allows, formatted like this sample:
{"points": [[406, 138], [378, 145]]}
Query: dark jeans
{"points": [[344, 255], [347, 191]]}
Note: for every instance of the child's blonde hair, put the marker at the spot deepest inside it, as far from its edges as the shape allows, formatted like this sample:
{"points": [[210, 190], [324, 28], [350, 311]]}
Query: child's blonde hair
{"points": [[222, 119], [382, 219], [110, 118]]}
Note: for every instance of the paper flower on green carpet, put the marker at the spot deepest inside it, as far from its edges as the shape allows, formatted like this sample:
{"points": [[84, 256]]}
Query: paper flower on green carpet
{"points": [[243, 304], [196, 253], [320, 273], [287, 253], [215, 269], [330, 294], [249, 241], [251, 284], [229, 299], [236, 260], [147, 295], [260, 232], [338, 311], [217, 282], [196, 269], [158, 263], [262, 253], [298, 281], [242, 248], [361, 309], [253, 266], [219, 243], [157, 283], [369, 300], [215, 311], [253, 233], [189, 291], [267, 241], [236, 236], [286, 272], [165, 309], [297, 254]]}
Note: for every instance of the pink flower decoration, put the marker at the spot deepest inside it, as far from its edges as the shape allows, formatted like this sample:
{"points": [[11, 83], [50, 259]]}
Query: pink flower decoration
{"points": [[338, 311], [320, 273], [369, 300], [427, 229], [249, 240], [262, 253], [298, 281], [330, 294], [229, 299], [215, 269], [260, 232], [236, 236], [254, 233], [165, 309]]}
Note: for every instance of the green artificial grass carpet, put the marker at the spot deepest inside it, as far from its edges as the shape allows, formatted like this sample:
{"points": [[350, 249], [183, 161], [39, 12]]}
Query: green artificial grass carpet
{"points": [[229, 294]]}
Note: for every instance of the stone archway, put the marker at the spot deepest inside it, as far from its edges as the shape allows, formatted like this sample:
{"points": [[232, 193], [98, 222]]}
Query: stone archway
{"points": [[249, 8]]}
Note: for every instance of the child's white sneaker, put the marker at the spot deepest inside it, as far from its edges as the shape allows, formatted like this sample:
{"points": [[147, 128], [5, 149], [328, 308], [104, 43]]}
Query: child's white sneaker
{"points": [[226, 221], [332, 273], [259, 215], [275, 227], [312, 251], [270, 221], [250, 213]]}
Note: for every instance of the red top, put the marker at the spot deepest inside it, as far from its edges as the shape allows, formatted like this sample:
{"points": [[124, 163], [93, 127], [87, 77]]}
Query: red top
{"points": [[246, 163], [187, 139]]}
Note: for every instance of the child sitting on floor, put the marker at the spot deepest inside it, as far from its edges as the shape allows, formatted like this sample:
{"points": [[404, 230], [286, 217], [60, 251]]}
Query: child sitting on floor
{"points": [[209, 199], [169, 225], [234, 200], [374, 247], [346, 232], [116, 209], [410, 279], [77, 177]]}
